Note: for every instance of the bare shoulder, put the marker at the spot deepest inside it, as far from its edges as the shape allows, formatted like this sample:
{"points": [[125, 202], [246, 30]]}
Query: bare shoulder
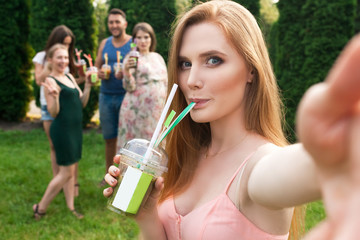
{"points": [[266, 148], [50, 80], [262, 150], [127, 37], [102, 43]]}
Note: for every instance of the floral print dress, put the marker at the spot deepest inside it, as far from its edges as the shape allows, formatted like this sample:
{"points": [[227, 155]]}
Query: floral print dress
{"points": [[144, 99]]}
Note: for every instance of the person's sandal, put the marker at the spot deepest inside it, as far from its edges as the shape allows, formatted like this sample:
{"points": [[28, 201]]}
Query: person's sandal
{"points": [[37, 215], [77, 214]]}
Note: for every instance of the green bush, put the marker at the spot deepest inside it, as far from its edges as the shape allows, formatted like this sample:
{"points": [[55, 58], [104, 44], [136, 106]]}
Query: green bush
{"points": [[15, 61], [252, 6], [328, 27], [310, 35], [79, 16], [357, 21], [287, 53]]}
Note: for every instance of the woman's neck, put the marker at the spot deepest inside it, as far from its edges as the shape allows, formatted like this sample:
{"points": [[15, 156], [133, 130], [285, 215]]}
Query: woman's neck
{"points": [[226, 132], [55, 73], [144, 52]]}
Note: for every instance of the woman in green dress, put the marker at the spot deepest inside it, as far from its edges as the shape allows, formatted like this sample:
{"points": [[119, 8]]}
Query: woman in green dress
{"points": [[65, 102]]}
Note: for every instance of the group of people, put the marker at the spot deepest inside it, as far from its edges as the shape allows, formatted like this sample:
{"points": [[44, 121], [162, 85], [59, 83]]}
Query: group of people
{"points": [[130, 100], [130, 107], [231, 172]]}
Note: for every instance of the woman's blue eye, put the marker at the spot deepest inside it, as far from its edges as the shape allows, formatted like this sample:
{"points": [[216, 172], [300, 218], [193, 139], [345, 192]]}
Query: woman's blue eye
{"points": [[185, 65], [214, 61]]}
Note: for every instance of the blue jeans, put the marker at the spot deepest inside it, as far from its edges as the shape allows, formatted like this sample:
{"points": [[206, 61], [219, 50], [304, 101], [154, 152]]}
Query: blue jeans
{"points": [[45, 115], [109, 109]]}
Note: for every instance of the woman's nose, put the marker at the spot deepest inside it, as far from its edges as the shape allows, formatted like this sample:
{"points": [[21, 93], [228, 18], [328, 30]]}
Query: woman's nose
{"points": [[194, 80]]}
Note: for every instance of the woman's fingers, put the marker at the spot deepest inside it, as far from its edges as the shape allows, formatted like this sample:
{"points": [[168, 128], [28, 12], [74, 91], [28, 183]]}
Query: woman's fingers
{"points": [[114, 171], [116, 159], [52, 87], [108, 191], [153, 198], [112, 181]]}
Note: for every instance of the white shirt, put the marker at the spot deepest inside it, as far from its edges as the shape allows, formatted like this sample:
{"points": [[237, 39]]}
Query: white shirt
{"points": [[40, 59]]}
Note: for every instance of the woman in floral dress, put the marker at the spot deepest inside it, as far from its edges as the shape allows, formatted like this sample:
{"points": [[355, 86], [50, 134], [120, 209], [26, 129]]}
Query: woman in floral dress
{"points": [[145, 81]]}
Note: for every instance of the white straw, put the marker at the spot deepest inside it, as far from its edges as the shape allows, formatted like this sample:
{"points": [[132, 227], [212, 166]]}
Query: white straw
{"points": [[160, 122]]}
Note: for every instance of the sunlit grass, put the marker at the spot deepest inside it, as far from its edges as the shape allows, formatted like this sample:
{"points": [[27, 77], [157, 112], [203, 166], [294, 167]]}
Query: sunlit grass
{"points": [[25, 171]]}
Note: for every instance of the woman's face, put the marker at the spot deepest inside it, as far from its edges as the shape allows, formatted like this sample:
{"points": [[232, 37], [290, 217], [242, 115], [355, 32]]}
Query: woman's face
{"points": [[67, 41], [60, 60], [211, 73], [143, 41]]}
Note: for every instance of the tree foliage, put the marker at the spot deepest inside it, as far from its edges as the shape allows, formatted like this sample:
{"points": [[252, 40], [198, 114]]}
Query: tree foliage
{"points": [[357, 20], [158, 13], [252, 5], [309, 36], [15, 60], [79, 16], [287, 53]]}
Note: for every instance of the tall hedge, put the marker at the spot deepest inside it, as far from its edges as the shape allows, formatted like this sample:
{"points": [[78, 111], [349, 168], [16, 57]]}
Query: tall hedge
{"points": [[158, 13], [357, 20], [79, 16], [287, 53], [310, 36], [328, 27], [252, 5], [15, 60]]}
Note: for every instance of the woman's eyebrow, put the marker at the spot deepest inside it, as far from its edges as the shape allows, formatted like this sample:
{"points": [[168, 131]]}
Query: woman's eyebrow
{"points": [[205, 54], [211, 53]]}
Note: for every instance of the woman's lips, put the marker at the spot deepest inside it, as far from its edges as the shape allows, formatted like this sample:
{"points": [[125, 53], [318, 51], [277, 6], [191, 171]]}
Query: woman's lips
{"points": [[199, 103]]}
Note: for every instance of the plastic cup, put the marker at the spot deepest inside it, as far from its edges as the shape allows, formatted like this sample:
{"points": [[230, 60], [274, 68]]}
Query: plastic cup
{"points": [[117, 67], [135, 56], [107, 70], [93, 72], [137, 176], [81, 67]]}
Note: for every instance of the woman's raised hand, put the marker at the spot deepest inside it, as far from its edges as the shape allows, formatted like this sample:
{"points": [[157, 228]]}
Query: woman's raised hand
{"points": [[149, 207], [328, 125], [52, 87]]}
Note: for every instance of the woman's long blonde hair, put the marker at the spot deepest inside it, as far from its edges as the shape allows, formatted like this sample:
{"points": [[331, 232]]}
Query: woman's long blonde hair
{"points": [[263, 106]]}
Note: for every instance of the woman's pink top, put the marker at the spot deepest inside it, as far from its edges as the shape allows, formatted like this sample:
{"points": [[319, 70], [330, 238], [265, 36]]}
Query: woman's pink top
{"points": [[217, 219]]}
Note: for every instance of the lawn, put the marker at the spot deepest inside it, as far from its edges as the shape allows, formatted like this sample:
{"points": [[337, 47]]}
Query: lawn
{"points": [[25, 172]]}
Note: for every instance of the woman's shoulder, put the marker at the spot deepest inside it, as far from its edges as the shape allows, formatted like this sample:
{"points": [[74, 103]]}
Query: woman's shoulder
{"points": [[156, 56], [263, 147], [39, 57], [50, 79]]}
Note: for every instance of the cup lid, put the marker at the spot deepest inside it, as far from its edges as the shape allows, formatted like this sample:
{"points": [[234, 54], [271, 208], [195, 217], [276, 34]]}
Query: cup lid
{"points": [[138, 147]]}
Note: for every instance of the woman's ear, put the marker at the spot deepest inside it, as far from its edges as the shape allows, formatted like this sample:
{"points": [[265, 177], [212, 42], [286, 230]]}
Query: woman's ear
{"points": [[251, 76]]}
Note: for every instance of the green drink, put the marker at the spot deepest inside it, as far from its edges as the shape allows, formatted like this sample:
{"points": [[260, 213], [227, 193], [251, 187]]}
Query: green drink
{"points": [[137, 176]]}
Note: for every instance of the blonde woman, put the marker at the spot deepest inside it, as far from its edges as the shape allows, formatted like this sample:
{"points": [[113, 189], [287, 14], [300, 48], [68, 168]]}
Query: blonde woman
{"points": [[65, 101]]}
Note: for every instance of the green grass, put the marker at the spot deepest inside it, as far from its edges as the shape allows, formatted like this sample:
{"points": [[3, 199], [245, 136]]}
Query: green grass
{"points": [[314, 214], [25, 171]]}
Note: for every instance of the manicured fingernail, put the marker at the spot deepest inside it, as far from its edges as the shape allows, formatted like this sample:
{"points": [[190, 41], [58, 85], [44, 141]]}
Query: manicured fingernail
{"points": [[108, 190], [115, 171], [113, 181]]}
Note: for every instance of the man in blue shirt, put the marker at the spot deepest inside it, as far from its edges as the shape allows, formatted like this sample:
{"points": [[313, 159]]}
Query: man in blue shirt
{"points": [[111, 90]]}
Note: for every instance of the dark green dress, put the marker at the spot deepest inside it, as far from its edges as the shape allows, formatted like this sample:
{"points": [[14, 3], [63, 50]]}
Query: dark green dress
{"points": [[66, 129]]}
